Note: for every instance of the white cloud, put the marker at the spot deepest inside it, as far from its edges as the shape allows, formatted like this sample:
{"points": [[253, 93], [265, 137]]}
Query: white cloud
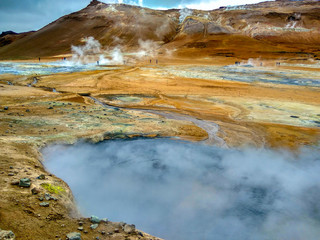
{"points": [[214, 4]]}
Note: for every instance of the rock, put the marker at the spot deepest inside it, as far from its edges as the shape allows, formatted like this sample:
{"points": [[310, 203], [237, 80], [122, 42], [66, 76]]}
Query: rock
{"points": [[15, 182], [129, 228], [47, 196], [116, 230], [140, 234], [80, 228], [11, 167], [10, 174], [28, 110], [94, 226], [103, 232], [41, 199], [105, 220], [80, 223], [50, 107], [6, 108], [44, 204], [35, 191], [41, 177], [7, 235], [25, 182], [95, 219], [74, 236]]}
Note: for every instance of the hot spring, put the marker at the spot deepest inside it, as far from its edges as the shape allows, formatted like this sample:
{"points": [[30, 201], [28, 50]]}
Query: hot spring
{"points": [[181, 190]]}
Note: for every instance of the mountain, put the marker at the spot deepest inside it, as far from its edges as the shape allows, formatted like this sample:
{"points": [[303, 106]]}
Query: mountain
{"points": [[269, 29], [9, 37]]}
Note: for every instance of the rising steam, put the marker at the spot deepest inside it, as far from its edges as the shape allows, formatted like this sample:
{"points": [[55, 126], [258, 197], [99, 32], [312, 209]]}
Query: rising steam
{"points": [[186, 191], [92, 52]]}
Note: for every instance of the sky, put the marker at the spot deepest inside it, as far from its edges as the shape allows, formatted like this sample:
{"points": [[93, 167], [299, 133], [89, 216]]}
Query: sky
{"points": [[27, 15]]}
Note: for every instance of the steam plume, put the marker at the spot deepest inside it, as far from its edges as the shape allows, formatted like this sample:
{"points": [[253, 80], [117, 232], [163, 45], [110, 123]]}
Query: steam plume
{"points": [[186, 191]]}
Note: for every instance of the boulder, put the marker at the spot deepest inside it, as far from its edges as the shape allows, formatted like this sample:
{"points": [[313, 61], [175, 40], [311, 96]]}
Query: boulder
{"points": [[74, 236], [25, 182]]}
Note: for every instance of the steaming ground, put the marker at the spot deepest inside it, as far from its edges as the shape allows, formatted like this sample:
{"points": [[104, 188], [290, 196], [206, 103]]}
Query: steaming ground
{"points": [[181, 190]]}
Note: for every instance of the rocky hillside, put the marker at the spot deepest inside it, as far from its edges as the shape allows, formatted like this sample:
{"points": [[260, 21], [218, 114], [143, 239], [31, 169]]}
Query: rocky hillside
{"points": [[268, 29]]}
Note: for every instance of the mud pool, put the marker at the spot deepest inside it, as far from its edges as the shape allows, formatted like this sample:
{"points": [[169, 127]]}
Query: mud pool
{"points": [[180, 190]]}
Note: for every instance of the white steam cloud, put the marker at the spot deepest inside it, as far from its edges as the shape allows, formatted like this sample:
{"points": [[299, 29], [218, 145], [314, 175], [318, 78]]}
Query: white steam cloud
{"points": [[178, 190], [86, 53], [130, 2], [92, 52], [214, 4], [184, 13]]}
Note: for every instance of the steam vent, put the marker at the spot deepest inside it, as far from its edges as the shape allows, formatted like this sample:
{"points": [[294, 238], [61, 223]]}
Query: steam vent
{"points": [[141, 120]]}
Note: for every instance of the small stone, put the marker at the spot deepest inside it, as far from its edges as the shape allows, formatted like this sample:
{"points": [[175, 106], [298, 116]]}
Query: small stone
{"points": [[97, 238], [74, 236], [94, 226], [105, 220], [129, 228], [44, 204], [116, 230], [41, 199], [25, 182], [63, 225], [80, 223], [41, 177], [35, 191], [47, 196], [8, 235], [85, 231], [95, 219], [50, 107], [11, 167], [80, 228], [10, 174], [103, 232], [140, 234], [6, 108]]}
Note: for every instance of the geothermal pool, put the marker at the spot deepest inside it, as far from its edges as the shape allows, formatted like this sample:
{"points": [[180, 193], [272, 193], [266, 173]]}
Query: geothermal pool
{"points": [[181, 190], [42, 68]]}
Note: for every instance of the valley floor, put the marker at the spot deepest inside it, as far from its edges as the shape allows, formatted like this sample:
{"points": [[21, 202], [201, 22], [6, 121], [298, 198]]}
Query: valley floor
{"points": [[260, 105]]}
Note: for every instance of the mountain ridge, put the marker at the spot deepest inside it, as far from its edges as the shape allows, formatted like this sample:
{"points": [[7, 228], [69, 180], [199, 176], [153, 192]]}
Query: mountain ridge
{"points": [[278, 26]]}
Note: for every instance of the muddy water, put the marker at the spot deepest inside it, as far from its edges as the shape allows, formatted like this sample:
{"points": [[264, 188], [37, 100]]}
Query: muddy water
{"points": [[211, 128], [185, 191]]}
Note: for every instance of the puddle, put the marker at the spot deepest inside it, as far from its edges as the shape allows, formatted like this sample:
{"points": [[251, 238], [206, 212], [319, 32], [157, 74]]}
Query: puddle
{"points": [[181, 190]]}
